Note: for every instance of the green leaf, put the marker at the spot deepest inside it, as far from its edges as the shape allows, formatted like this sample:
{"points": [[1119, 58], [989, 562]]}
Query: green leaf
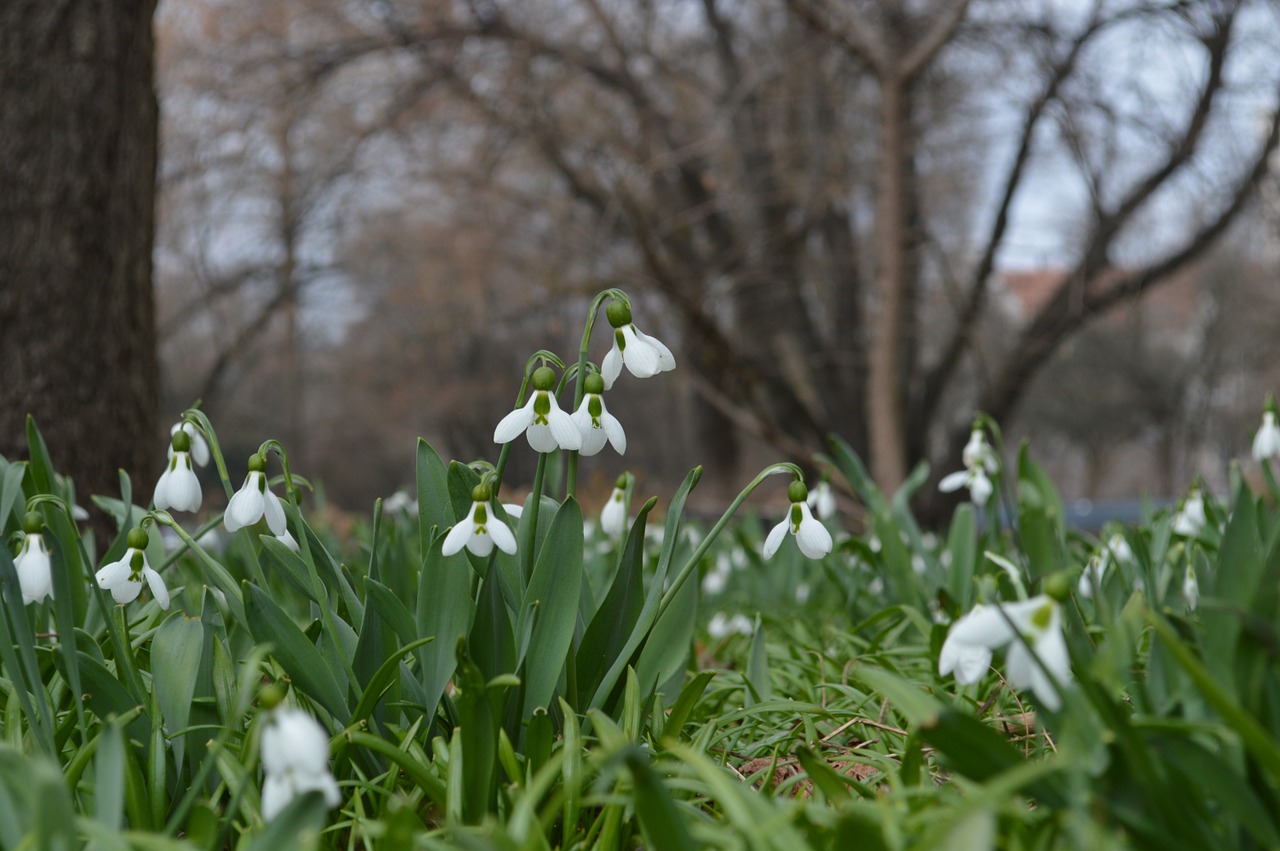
{"points": [[10, 491], [176, 653], [962, 544], [552, 601], [758, 688], [298, 656], [108, 697], [1040, 517], [685, 703], [980, 753], [1214, 778], [855, 472], [615, 620], [491, 641], [434, 508], [665, 654], [109, 776], [445, 612], [660, 818]]}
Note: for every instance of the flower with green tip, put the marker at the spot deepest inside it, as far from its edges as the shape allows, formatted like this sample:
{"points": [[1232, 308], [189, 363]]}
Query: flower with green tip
{"points": [[295, 760], [644, 356], [178, 488], [32, 563], [124, 578], [823, 500], [479, 531], [255, 501], [1033, 627], [1191, 518], [1266, 443], [1190, 589], [811, 536], [594, 421], [540, 419], [613, 517], [199, 446], [979, 464]]}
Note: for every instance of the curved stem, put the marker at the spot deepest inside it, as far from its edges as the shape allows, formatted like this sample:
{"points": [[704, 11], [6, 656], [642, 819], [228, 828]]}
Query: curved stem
{"points": [[692, 563], [206, 428]]}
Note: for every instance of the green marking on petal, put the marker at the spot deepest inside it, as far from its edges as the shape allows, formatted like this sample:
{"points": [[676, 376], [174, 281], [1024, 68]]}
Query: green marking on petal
{"points": [[541, 408], [622, 341], [796, 516], [595, 407], [1042, 616]]}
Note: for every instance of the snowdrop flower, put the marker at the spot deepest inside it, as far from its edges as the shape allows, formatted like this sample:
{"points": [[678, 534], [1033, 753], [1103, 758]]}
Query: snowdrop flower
{"points": [[978, 453], [613, 517], [254, 501], [822, 500], [478, 531], [289, 541], [400, 501], [1118, 548], [199, 446], [1032, 626], [1190, 588], [811, 536], [179, 488], [1190, 519], [123, 578], [1092, 574], [1266, 443], [594, 421], [546, 426], [513, 509], [979, 465], [295, 760], [34, 567], [644, 356], [722, 626]]}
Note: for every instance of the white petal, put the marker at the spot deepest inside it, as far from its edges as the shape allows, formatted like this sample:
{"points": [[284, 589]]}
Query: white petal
{"points": [[160, 496], [613, 428], [513, 509], [563, 430], [984, 626], [969, 661], [35, 571], [458, 536], [245, 506], [321, 782], [954, 481], [666, 360], [514, 423], [812, 536], [592, 440], [613, 515], [640, 356], [776, 536], [277, 792], [501, 534], [611, 367], [980, 487], [481, 543], [541, 439], [274, 512], [158, 589]]}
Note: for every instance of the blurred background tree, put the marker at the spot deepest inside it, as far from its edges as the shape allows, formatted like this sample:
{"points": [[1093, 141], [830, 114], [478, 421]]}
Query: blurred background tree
{"points": [[78, 134], [372, 212]]}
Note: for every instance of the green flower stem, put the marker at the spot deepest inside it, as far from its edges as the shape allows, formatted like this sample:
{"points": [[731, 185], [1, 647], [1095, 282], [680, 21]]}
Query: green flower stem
{"points": [[304, 546], [221, 578], [202, 422], [692, 563], [571, 479], [124, 652], [531, 528]]}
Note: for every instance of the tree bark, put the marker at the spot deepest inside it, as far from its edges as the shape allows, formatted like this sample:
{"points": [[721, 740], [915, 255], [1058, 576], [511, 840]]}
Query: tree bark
{"points": [[78, 139]]}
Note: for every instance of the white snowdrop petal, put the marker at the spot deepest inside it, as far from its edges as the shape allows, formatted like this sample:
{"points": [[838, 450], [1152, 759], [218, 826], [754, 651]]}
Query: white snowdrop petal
{"points": [[458, 536], [245, 506], [640, 357], [566, 434], [513, 424], [954, 481], [666, 360], [276, 795], [502, 535], [274, 513], [776, 535], [813, 538], [541, 439], [481, 544], [158, 589], [613, 429], [611, 366]]}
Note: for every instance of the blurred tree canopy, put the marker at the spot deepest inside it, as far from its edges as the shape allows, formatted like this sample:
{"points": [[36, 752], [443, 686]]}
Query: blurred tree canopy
{"points": [[392, 203]]}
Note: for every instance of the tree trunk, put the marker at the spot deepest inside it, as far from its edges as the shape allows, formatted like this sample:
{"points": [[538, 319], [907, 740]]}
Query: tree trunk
{"points": [[885, 392], [78, 128]]}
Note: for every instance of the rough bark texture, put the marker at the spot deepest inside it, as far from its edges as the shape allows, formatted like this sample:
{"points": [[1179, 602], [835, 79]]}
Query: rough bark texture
{"points": [[78, 135]]}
